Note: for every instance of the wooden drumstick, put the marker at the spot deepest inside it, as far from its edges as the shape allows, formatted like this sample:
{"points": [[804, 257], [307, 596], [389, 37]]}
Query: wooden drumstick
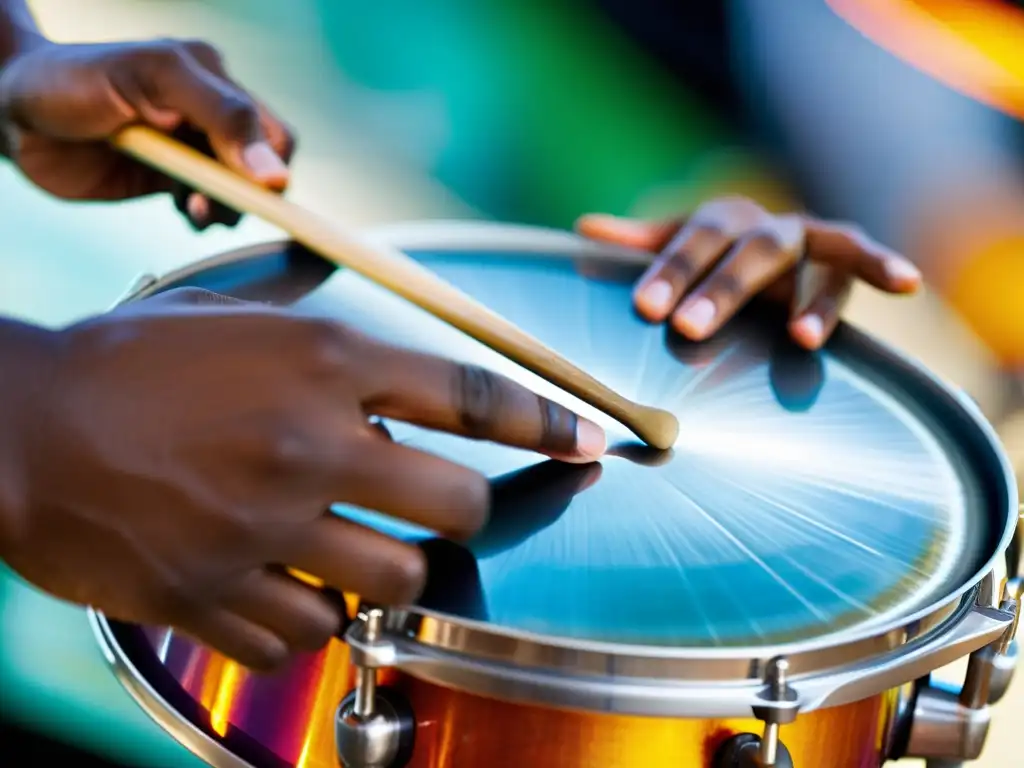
{"points": [[396, 272]]}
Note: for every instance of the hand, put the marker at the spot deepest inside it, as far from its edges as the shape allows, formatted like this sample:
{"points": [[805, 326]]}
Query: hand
{"points": [[61, 103], [710, 265], [177, 452]]}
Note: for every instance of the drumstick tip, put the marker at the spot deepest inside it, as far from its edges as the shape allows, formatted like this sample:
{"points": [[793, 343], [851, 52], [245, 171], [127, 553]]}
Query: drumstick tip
{"points": [[656, 427]]}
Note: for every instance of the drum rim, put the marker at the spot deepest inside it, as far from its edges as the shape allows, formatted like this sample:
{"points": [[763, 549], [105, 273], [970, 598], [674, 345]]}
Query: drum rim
{"points": [[477, 639], [166, 716]]}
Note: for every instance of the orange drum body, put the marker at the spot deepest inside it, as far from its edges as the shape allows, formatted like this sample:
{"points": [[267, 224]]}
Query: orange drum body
{"points": [[773, 592], [288, 719]]}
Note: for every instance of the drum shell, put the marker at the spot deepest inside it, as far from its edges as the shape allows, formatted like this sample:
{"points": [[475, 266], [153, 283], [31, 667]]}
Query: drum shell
{"points": [[287, 719]]}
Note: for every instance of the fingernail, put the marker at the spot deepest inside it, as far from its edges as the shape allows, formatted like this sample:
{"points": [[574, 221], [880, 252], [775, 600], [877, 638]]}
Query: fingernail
{"points": [[264, 162], [198, 208], [694, 317], [902, 271], [811, 328], [591, 442], [655, 299]]}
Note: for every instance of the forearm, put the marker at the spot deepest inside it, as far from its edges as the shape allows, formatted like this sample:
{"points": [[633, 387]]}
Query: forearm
{"points": [[18, 29], [25, 355]]}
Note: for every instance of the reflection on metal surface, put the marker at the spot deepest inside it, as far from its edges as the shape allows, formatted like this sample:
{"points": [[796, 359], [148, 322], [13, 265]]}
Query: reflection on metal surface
{"points": [[838, 509], [274, 729]]}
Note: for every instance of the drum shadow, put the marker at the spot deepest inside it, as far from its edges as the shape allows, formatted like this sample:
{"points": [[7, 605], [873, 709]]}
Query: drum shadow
{"points": [[758, 337], [523, 503]]}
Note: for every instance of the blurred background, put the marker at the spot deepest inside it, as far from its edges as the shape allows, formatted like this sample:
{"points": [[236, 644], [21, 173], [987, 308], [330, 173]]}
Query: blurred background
{"points": [[535, 111]]}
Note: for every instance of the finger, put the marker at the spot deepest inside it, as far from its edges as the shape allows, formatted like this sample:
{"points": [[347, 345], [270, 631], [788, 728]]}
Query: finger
{"points": [[850, 249], [199, 210], [296, 613], [757, 261], [211, 212], [279, 135], [352, 558], [437, 494], [817, 321], [176, 82], [688, 256], [471, 401], [629, 233], [239, 639]]}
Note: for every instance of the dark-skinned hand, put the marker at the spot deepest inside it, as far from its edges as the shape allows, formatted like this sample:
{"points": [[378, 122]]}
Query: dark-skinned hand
{"points": [[712, 263], [59, 104], [177, 454]]}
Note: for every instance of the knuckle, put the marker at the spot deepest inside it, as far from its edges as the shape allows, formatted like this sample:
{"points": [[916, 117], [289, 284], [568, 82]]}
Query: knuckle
{"points": [[778, 238], [467, 505], [852, 233], [478, 395], [329, 344], [407, 575], [400, 578], [320, 622], [765, 242], [164, 54], [730, 213], [233, 531], [285, 445], [203, 52], [678, 269], [705, 233], [178, 602], [239, 114], [727, 285]]}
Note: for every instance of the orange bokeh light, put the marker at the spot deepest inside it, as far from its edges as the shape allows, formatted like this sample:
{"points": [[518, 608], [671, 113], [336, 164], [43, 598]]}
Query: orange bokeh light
{"points": [[972, 46]]}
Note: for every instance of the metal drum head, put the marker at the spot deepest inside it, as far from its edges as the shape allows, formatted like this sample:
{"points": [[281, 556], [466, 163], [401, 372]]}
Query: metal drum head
{"points": [[808, 494]]}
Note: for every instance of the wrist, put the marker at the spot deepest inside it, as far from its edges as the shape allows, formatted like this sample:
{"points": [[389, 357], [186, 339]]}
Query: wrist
{"points": [[25, 355]]}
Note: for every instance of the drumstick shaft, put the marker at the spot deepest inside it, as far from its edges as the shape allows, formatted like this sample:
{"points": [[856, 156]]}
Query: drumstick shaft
{"points": [[396, 272]]}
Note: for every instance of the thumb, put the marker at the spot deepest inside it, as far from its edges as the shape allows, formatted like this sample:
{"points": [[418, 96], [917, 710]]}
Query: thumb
{"points": [[630, 233], [228, 116]]}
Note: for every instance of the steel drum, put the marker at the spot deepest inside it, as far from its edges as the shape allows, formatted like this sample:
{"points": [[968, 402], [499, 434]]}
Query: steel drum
{"points": [[830, 529]]}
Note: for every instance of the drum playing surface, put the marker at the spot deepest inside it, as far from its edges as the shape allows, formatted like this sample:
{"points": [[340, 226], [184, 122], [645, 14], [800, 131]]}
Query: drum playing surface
{"points": [[807, 494]]}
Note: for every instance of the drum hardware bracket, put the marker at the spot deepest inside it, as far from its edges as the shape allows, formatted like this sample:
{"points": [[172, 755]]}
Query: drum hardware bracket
{"points": [[374, 727], [948, 726], [780, 707]]}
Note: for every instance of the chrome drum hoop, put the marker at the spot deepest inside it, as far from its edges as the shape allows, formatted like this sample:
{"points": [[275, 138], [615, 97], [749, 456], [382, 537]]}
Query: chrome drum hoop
{"points": [[825, 671]]}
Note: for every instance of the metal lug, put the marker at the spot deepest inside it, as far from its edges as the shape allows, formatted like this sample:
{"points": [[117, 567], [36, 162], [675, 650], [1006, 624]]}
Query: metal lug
{"points": [[781, 705], [373, 728], [383, 739], [944, 729], [948, 727]]}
